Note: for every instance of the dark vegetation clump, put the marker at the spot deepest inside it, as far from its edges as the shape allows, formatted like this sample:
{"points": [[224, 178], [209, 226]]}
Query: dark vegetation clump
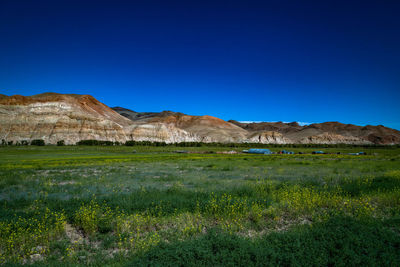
{"points": [[37, 142], [242, 145], [340, 241], [61, 143], [94, 143]]}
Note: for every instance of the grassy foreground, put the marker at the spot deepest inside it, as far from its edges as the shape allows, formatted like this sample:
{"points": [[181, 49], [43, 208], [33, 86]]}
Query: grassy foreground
{"points": [[71, 206]]}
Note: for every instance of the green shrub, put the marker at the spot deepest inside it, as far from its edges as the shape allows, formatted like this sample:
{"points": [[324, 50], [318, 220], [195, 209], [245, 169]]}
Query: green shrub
{"points": [[21, 238], [37, 142], [340, 241], [61, 143], [93, 217], [92, 142]]}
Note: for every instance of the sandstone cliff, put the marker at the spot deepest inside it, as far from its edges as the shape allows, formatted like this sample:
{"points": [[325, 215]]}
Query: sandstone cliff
{"points": [[202, 128], [54, 117], [268, 137], [327, 132]]}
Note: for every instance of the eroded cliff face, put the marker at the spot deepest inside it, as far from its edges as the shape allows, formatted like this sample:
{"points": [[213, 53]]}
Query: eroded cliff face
{"points": [[159, 132], [330, 138], [54, 117], [206, 128], [66, 119], [72, 118], [326, 133], [268, 137]]}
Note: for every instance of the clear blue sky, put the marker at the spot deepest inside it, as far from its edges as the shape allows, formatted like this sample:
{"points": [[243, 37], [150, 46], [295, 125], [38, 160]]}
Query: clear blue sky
{"points": [[310, 61]]}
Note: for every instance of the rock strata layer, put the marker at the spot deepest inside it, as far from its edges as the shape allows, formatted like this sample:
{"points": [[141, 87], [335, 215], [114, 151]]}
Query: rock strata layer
{"points": [[54, 117], [72, 118]]}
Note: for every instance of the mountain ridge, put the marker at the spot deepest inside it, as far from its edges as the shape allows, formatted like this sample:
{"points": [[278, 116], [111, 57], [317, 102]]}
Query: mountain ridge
{"points": [[73, 117]]}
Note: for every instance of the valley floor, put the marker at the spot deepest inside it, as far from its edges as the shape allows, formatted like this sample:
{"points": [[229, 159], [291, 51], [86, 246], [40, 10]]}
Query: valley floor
{"points": [[100, 206]]}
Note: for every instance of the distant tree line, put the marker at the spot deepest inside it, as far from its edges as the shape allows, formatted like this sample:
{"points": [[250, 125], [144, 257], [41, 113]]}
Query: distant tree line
{"points": [[35, 142], [232, 145], [240, 145], [92, 142]]}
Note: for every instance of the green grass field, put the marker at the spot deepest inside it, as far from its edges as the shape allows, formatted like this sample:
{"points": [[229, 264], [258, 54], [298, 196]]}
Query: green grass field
{"points": [[74, 205]]}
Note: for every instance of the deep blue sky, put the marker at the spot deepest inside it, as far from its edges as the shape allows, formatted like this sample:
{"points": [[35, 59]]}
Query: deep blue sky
{"points": [[310, 61]]}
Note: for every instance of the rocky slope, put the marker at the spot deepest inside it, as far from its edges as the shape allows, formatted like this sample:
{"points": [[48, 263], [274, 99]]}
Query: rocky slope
{"points": [[327, 132], [135, 116], [53, 117], [211, 129], [204, 128]]}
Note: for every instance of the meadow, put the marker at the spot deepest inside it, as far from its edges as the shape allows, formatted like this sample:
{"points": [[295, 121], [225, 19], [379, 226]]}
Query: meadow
{"points": [[149, 206]]}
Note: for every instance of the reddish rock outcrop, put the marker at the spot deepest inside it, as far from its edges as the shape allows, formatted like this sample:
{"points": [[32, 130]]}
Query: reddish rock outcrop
{"points": [[327, 132], [69, 117], [53, 117]]}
